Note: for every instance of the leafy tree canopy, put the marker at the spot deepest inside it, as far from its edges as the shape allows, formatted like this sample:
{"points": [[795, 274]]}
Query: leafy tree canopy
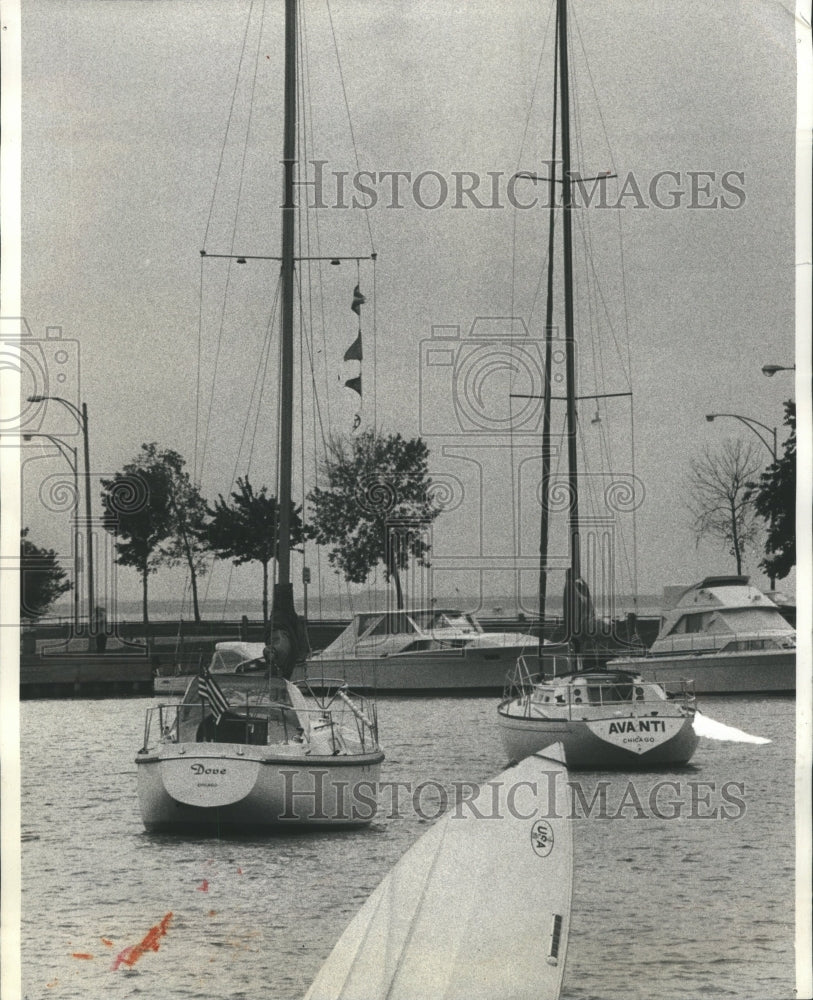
{"points": [[137, 504], [376, 506], [42, 579], [245, 529], [774, 498], [186, 542]]}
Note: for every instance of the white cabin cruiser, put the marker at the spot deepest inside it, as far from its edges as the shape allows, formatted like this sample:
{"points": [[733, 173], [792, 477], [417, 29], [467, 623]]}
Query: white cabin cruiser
{"points": [[246, 749], [431, 649], [724, 635]]}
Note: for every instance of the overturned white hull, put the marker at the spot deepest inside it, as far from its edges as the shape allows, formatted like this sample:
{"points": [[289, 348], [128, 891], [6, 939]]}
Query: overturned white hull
{"points": [[235, 786], [477, 909]]}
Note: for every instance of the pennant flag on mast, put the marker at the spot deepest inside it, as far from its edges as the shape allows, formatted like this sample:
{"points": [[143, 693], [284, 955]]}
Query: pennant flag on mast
{"points": [[353, 352], [210, 690], [358, 301]]}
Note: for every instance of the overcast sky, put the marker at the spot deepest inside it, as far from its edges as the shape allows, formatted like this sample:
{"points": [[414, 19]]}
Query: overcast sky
{"points": [[125, 106]]}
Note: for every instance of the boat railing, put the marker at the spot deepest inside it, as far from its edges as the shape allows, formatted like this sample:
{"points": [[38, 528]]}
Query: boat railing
{"points": [[537, 692], [702, 643], [526, 673], [346, 718]]}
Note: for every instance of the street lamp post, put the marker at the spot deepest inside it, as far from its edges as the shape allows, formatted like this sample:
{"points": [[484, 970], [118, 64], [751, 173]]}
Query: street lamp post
{"points": [[67, 451], [82, 418], [770, 443]]}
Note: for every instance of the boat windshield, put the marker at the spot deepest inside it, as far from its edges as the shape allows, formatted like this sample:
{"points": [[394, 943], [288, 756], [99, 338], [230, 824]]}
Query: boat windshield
{"points": [[427, 621]]}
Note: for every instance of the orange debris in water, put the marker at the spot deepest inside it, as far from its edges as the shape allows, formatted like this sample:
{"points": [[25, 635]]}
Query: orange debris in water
{"points": [[130, 955]]}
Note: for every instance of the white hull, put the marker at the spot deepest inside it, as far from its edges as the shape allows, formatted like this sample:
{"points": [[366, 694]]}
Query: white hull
{"points": [[175, 684], [481, 669], [236, 786], [719, 673], [610, 743], [477, 909]]}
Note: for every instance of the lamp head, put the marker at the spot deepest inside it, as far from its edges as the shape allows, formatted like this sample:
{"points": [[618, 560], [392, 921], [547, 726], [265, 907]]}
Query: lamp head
{"points": [[710, 416], [36, 399]]}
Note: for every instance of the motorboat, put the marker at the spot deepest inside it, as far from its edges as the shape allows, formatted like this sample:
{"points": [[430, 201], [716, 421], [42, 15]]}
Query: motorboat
{"points": [[723, 634], [434, 649], [605, 719], [246, 749], [423, 650]]}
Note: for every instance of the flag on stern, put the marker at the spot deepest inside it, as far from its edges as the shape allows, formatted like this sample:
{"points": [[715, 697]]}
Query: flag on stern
{"points": [[210, 690]]}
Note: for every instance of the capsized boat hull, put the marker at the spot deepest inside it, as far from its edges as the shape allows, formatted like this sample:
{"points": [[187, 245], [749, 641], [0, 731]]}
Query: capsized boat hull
{"points": [[477, 909], [219, 786], [611, 743], [753, 671]]}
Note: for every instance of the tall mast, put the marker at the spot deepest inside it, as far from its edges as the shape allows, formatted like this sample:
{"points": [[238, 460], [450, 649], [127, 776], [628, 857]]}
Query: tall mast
{"points": [[546, 407], [570, 358], [288, 642], [287, 353]]}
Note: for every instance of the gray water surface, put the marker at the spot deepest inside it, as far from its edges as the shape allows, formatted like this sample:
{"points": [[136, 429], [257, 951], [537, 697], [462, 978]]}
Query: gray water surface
{"points": [[696, 901]]}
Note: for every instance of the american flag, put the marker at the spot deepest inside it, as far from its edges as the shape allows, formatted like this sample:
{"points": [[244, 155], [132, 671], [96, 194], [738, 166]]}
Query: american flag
{"points": [[210, 690]]}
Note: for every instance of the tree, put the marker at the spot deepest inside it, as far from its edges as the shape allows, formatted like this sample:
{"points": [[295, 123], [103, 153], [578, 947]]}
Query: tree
{"points": [[186, 542], [247, 530], [138, 511], [42, 579], [718, 501], [774, 498], [376, 505]]}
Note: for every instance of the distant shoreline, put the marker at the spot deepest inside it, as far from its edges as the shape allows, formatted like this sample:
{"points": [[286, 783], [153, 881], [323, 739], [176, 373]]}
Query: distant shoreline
{"points": [[340, 608]]}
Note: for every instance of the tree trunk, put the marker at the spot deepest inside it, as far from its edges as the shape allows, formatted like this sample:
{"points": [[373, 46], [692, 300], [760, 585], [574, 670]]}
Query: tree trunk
{"points": [[395, 576], [194, 581], [145, 613], [265, 597], [399, 594], [193, 576], [736, 538]]}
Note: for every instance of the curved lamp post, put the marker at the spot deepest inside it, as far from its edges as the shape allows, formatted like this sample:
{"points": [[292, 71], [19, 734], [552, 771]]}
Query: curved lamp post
{"points": [[770, 444], [82, 418], [771, 370], [71, 456]]}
